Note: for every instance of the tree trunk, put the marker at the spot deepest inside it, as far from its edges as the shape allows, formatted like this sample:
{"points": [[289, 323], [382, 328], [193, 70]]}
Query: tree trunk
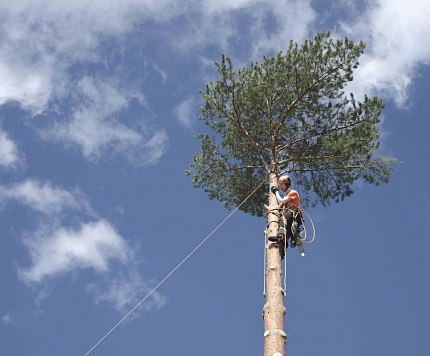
{"points": [[274, 310]]}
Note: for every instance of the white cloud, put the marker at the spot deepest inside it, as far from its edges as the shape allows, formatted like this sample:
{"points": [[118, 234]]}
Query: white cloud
{"points": [[43, 197], [185, 112], [9, 154], [268, 28], [396, 33], [162, 73], [57, 250], [30, 51], [225, 5], [62, 250], [93, 126], [292, 21], [42, 295], [155, 147], [125, 291], [41, 40], [7, 319]]}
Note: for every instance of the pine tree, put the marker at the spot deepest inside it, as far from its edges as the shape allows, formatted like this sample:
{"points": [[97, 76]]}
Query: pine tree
{"points": [[289, 113]]}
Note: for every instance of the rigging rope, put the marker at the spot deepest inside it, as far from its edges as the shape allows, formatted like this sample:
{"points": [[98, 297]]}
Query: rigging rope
{"points": [[303, 240], [285, 267], [265, 262], [313, 228], [174, 270]]}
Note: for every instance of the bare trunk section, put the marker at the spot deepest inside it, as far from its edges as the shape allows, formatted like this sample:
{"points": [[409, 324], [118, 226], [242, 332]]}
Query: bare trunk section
{"points": [[274, 310]]}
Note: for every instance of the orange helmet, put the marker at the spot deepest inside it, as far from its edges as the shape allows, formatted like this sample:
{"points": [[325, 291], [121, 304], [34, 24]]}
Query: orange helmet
{"points": [[284, 180]]}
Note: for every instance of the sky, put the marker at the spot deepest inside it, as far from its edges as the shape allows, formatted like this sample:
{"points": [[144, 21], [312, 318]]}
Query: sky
{"points": [[99, 104]]}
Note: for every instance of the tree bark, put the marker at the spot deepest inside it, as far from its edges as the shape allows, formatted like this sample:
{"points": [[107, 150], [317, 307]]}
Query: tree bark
{"points": [[274, 310]]}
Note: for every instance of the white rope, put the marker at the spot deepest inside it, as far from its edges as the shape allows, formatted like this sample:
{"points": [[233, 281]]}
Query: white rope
{"points": [[285, 265], [265, 263], [305, 235], [313, 228], [174, 270]]}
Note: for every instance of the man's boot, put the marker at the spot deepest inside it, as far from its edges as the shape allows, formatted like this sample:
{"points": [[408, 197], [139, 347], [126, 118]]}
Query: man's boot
{"points": [[276, 238], [282, 232]]}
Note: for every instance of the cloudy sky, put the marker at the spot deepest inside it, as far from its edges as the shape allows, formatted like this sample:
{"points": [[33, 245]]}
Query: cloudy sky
{"points": [[99, 103]]}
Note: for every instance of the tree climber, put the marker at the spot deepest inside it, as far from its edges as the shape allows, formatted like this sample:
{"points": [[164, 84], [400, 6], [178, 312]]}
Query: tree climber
{"points": [[292, 213]]}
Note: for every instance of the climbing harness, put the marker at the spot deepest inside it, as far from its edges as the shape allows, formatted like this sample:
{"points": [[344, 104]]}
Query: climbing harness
{"points": [[296, 224]]}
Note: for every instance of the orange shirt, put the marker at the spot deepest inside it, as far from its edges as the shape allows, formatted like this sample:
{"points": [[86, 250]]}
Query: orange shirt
{"points": [[295, 198]]}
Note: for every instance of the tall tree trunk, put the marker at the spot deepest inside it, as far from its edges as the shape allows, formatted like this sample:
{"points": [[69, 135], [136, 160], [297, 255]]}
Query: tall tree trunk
{"points": [[274, 310]]}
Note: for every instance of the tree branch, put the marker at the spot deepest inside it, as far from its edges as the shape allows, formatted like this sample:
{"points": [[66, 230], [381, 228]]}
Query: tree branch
{"points": [[300, 97]]}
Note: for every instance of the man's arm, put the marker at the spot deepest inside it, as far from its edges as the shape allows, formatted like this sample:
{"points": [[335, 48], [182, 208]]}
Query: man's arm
{"points": [[285, 199]]}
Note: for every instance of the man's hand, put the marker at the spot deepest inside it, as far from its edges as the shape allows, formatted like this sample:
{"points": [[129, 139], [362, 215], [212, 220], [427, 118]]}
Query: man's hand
{"points": [[274, 190]]}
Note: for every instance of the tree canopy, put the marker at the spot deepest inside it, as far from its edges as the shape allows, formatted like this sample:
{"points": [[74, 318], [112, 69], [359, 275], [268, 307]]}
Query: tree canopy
{"points": [[289, 113]]}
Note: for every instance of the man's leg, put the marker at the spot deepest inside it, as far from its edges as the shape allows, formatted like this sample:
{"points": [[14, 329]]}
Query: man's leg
{"points": [[282, 232], [298, 225]]}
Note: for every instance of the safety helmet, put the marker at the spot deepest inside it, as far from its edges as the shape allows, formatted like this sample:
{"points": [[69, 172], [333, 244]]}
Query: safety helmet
{"points": [[284, 180]]}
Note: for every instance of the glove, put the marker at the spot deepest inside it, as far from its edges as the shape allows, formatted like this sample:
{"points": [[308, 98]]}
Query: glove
{"points": [[274, 190]]}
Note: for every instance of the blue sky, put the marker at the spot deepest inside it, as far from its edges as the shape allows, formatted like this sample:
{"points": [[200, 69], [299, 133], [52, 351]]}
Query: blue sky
{"points": [[98, 107]]}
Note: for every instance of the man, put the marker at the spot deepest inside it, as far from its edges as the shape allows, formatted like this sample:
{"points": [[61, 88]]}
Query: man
{"points": [[292, 213]]}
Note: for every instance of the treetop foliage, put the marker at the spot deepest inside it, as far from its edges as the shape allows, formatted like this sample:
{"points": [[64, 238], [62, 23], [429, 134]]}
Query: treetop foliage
{"points": [[289, 114]]}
